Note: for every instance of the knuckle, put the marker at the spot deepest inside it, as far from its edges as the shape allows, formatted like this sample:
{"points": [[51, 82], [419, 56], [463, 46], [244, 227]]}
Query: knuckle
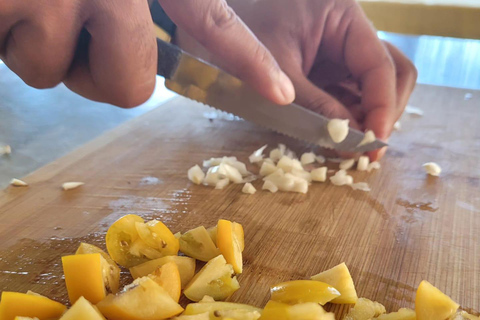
{"points": [[221, 15], [41, 80]]}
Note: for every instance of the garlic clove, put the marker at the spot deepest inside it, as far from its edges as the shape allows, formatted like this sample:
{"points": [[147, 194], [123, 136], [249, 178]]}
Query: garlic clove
{"points": [[432, 169], [270, 186], [257, 155], [363, 163], [347, 164], [340, 178], [18, 183], [319, 174], [248, 188], [368, 138], [267, 168], [375, 165], [307, 158], [195, 174], [222, 183], [338, 129], [71, 185], [414, 111]]}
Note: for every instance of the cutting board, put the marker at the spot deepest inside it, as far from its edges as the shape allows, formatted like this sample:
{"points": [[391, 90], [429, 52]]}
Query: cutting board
{"points": [[410, 227]]}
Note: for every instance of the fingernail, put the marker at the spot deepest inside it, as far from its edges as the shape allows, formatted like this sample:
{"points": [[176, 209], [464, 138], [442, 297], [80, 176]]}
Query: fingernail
{"points": [[285, 91]]}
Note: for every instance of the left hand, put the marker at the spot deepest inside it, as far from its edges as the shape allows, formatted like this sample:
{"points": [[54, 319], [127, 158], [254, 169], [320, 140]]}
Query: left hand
{"points": [[334, 58]]}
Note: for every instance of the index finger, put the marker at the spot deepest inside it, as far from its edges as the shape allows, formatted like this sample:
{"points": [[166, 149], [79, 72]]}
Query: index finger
{"points": [[216, 26]]}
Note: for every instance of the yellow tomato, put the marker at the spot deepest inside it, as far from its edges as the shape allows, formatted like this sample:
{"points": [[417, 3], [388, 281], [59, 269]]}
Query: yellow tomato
{"points": [[301, 291], [157, 235], [215, 279], [84, 277], [186, 267], [144, 299], [238, 231], [15, 304], [121, 237], [111, 272], [168, 277], [229, 245], [82, 310], [196, 243], [211, 307], [339, 277], [433, 304]]}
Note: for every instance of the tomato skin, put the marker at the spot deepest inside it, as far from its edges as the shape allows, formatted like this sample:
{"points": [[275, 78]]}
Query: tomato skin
{"points": [[302, 291], [120, 237], [131, 241]]}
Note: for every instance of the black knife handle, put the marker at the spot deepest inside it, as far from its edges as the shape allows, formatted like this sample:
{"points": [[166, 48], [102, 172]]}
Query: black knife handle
{"points": [[168, 58]]}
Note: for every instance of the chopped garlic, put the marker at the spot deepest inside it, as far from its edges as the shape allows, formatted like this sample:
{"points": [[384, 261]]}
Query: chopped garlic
{"points": [[362, 186], [338, 129], [397, 126], [299, 184], [195, 174], [248, 188], [341, 178], [230, 172], [432, 169], [257, 155], [307, 158], [231, 161], [267, 168], [368, 138], [222, 183], [276, 154], [305, 175], [375, 165], [281, 180], [212, 176], [6, 149], [270, 186], [282, 148], [18, 183], [72, 185], [414, 111], [347, 164], [319, 174], [363, 163], [216, 161], [296, 164], [285, 163], [320, 159]]}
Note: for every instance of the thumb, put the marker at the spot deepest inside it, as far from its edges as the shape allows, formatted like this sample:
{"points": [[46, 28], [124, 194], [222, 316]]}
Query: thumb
{"points": [[216, 27]]}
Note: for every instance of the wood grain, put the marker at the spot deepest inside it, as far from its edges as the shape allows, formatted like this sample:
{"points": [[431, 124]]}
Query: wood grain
{"points": [[409, 228]]}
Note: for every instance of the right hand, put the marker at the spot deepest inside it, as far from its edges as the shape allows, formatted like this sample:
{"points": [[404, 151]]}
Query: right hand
{"points": [[105, 50]]}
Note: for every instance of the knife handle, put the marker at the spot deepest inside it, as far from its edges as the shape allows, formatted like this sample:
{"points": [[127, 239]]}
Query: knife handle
{"points": [[168, 58]]}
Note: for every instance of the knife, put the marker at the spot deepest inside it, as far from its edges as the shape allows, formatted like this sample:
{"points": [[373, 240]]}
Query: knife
{"points": [[200, 81]]}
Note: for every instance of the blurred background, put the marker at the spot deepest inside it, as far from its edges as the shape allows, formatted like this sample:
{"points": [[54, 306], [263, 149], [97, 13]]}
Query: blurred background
{"points": [[439, 36]]}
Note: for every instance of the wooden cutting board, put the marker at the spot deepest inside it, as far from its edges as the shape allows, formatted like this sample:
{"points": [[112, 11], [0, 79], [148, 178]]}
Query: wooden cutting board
{"points": [[410, 227]]}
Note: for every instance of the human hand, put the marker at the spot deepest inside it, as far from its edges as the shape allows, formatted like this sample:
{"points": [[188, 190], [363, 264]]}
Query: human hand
{"points": [[331, 52], [105, 50]]}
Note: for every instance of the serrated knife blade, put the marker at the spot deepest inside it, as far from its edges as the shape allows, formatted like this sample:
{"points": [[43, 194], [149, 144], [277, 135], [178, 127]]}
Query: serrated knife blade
{"points": [[200, 81]]}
